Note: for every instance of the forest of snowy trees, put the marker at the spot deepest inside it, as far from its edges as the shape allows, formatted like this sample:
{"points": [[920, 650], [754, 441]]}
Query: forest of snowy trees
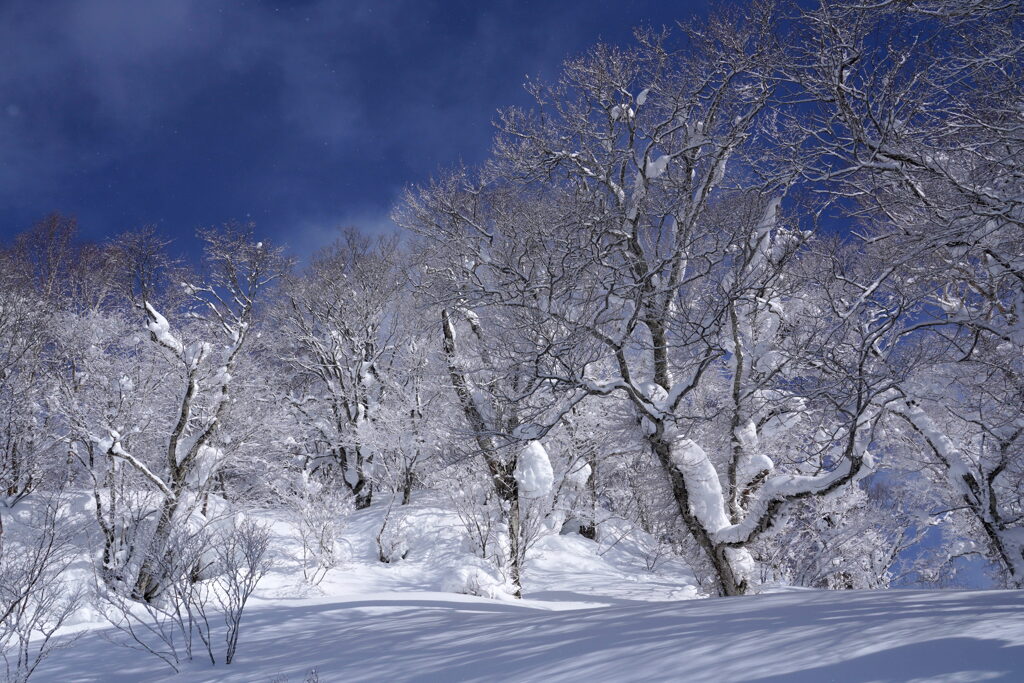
{"points": [[754, 285]]}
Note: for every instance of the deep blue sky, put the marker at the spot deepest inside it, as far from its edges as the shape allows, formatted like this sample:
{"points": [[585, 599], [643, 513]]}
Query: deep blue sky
{"points": [[301, 116]]}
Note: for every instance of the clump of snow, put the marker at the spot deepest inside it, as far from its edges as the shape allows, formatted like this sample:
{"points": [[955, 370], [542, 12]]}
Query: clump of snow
{"points": [[621, 112], [755, 462], [746, 434], [654, 393], [578, 475], [742, 563], [161, 330], [533, 471], [658, 397], [657, 167], [474, 576], [706, 498], [105, 443], [208, 460]]}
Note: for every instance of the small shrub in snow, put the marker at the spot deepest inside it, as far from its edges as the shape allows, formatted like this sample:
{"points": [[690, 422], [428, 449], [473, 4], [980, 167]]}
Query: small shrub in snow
{"points": [[211, 573], [318, 511], [243, 562], [392, 540], [477, 507], [35, 597]]}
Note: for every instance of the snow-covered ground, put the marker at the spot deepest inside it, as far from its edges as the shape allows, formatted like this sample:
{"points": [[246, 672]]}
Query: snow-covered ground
{"points": [[592, 612]]}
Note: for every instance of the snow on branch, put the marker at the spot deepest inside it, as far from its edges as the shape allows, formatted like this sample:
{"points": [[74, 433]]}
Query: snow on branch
{"points": [[958, 467], [112, 447], [779, 489], [160, 329]]}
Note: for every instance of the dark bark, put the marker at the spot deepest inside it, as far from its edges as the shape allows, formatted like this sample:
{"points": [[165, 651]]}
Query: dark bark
{"points": [[726, 581], [502, 472]]}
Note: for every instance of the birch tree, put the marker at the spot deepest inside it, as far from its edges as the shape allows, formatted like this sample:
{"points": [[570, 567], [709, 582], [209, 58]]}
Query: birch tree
{"points": [[163, 394]]}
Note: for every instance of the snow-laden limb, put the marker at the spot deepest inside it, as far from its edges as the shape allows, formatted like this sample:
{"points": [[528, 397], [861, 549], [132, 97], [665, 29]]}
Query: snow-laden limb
{"points": [[702, 483], [656, 168], [754, 462], [161, 331], [473, 403], [855, 463], [578, 475], [764, 247], [962, 473], [777, 490], [208, 460], [111, 445], [708, 503], [958, 464]]}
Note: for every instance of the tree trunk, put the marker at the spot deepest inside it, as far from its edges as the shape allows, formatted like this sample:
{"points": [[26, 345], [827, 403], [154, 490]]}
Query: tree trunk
{"points": [[150, 582], [507, 489], [407, 482], [363, 491], [588, 526], [727, 583]]}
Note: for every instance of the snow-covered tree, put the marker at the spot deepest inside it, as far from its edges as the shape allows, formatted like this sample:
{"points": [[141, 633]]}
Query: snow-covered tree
{"points": [[622, 234], [147, 403], [27, 443], [341, 329], [919, 111]]}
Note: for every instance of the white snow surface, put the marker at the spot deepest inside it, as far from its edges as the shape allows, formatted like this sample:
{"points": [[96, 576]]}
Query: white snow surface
{"points": [[591, 612]]}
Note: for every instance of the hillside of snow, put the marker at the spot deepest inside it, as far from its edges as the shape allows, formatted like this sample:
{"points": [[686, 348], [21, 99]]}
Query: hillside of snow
{"points": [[591, 611], [428, 636]]}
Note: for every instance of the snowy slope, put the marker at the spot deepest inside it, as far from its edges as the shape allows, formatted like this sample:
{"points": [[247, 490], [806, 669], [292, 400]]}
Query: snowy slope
{"points": [[591, 613], [421, 636]]}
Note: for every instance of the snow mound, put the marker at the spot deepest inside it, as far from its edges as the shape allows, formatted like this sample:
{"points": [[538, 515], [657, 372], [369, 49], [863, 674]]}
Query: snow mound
{"points": [[471, 575]]}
